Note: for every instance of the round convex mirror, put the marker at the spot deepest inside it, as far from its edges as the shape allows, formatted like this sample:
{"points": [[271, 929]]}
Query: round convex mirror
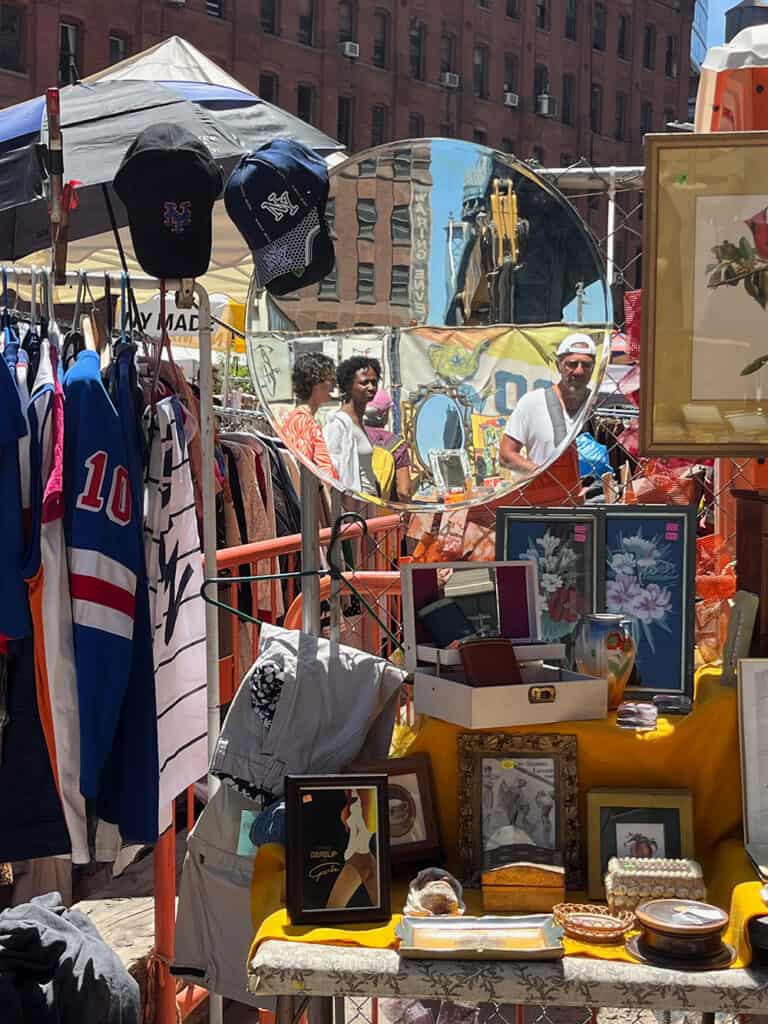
{"points": [[465, 287]]}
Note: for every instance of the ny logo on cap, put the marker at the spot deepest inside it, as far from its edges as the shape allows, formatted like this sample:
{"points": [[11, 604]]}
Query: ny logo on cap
{"points": [[279, 206], [177, 216]]}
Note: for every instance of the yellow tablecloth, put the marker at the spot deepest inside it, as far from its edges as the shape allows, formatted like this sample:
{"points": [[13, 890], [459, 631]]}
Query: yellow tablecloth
{"points": [[699, 751]]}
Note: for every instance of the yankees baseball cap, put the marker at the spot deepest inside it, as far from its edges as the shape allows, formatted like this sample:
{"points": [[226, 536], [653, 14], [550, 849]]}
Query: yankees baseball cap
{"points": [[169, 181], [276, 197]]}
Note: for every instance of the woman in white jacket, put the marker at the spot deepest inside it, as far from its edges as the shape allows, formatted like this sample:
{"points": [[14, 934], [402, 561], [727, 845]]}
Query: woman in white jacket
{"points": [[348, 443]]}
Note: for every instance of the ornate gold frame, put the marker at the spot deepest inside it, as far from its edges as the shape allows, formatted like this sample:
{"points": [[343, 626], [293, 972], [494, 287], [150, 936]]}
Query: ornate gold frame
{"points": [[473, 748], [410, 406]]}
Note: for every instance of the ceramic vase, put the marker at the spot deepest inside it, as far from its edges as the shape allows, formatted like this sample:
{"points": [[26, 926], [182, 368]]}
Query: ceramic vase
{"points": [[605, 648]]}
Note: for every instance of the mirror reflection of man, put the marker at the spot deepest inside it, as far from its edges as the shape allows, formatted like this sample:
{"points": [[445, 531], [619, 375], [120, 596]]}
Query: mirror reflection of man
{"points": [[544, 417]]}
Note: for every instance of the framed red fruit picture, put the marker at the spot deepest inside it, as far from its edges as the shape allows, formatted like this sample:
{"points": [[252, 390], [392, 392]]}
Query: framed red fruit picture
{"points": [[704, 355]]}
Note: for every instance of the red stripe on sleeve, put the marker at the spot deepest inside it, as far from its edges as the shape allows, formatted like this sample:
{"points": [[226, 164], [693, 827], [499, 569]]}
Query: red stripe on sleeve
{"points": [[89, 588]]}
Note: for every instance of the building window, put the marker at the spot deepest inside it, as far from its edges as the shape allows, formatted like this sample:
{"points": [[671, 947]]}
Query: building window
{"points": [[399, 290], [305, 102], [329, 286], [415, 126], [347, 22], [401, 163], [541, 80], [598, 26], [671, 57], [620, 128], [366, 283], [306, 33], [570, 19], [119, 48], [480, 72], [401, 225], [480, 136], [69, 52], [569, 93], [327, 325], [366, 218], [381, 39], [538, 155], [330, 216], [511, 72], [447, 52], [344, 120], [596, 108], [485, 4], [542, 14], [379, 117], [669, 118], [446, 130], [11, 37], [624, 42], [649, 47], [368, 168], [513, 9], [268, 87], [646, 117], [566, 159], [270, 17], [215, 8], [416, 47]]}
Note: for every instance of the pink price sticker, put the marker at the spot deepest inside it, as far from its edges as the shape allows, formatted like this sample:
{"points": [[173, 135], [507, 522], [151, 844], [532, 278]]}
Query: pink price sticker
{"points": [[579, 533], [672, 531]]}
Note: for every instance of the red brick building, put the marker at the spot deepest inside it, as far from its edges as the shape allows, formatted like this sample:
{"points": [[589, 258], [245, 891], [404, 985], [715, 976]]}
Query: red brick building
{"points": [[555, 79]]}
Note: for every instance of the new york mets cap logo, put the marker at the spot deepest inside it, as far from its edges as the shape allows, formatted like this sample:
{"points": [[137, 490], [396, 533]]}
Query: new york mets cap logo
{"points": [[177, 216]]}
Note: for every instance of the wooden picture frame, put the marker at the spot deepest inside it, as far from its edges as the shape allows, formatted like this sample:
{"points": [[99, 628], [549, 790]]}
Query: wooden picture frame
{"points": [[636, 822], [648, 564], [414, 835], [330, 878], [564, 543], [704, 299], [519, 801], [741, 629]]}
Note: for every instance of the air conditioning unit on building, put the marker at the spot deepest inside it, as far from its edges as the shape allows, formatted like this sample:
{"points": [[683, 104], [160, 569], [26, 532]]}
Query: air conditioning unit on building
{"points": [[511, 99], [546, 105], [449, 79], [176, 3], [351, 50]]}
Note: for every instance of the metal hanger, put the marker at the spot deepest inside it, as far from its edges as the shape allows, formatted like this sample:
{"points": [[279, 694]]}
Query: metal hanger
{"points": [[334, 570]]}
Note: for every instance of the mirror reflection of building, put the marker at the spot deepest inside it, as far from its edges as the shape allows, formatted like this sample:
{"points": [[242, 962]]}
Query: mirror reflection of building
{"points": [[545, 418], [314, 378]]}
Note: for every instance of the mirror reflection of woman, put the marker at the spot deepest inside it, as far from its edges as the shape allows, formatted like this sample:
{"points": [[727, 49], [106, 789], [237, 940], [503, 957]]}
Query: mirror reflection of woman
{"points": [[349, 446], [361, 866], [314, 378]]}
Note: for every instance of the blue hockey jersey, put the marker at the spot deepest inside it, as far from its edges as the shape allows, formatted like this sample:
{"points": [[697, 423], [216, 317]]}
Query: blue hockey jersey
{"points": [[103, 526]]}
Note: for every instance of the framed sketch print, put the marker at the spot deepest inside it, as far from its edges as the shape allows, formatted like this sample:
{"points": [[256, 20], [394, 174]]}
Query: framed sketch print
{"points": [[518, 801], [753, 728], [563, 543], [413, 828], [636, 823], [337, 849], [704, 361], [648, 573]]}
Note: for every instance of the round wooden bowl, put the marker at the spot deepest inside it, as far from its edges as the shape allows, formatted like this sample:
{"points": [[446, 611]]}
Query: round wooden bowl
{"points": [[686, 929], [589, 923]]}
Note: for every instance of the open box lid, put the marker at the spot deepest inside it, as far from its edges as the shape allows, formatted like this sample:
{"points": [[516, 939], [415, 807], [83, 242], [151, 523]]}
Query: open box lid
{"points": [[448, 601]]}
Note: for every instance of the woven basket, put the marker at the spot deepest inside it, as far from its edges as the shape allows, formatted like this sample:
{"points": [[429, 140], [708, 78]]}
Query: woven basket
{"points": [[589, 923]]}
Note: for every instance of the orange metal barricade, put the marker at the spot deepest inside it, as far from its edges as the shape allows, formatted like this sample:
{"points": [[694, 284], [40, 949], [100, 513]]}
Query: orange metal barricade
{"points": [[375, 580]]}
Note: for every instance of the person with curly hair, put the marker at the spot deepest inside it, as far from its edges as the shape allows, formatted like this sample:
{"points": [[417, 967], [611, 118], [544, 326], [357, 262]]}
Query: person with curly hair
{"points": [[349, 445], [314, 378]]}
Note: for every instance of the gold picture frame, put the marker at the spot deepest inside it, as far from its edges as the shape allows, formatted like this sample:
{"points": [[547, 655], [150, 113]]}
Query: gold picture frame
{"points": [[704, 358], [660, 818]]}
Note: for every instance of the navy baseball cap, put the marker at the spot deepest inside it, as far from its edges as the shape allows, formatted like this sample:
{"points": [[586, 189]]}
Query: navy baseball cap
{"points": [[276, 197], [169, 181]]}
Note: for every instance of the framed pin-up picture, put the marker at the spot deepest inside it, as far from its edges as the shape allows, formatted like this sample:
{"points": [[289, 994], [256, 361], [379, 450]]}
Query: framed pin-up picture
{"points": [[704, 357], [648, 573], [337, 849]]}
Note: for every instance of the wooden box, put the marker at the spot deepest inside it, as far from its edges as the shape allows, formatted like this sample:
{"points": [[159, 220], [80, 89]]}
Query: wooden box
{"points": [[523, 888], [631, 881]]}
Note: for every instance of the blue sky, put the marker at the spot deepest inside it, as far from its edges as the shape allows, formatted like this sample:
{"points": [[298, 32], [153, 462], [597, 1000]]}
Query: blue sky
{"points": [[717, 9]]}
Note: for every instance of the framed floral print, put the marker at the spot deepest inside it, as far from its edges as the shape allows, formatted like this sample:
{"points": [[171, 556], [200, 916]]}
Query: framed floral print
{"points": [[649, 562], [704, 355], [564, 545]]}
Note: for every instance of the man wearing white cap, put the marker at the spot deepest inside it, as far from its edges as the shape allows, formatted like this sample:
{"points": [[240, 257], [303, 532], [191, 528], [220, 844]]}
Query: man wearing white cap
{"points": [[544, 418]]}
